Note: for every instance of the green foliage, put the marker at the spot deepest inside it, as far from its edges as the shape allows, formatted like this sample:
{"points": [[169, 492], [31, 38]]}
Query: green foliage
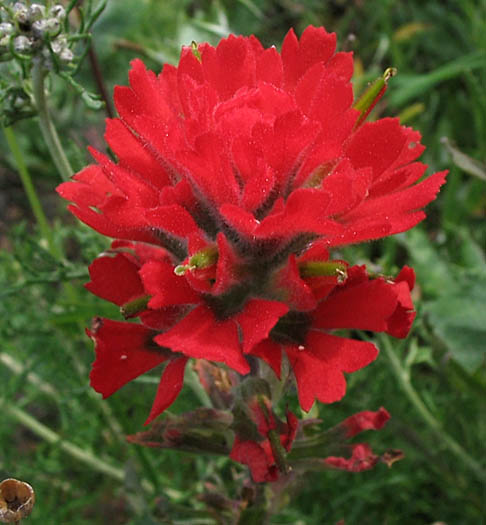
{"points": [[42, 33], [439, 49]]}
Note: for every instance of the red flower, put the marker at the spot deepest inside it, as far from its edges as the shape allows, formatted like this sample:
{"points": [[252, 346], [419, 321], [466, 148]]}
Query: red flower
{"points": [[362, 457], [178, 323], [264, 454], [257, 144], [318, 359], [236, 171]]}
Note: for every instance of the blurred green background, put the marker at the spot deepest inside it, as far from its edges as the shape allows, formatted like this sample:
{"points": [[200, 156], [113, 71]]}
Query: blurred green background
{"points": [[57, 434]]}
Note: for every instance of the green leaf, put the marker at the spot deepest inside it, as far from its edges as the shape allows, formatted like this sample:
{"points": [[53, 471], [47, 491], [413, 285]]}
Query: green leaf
{"points": [[411, 86], [432, 271], [463, 161], [459, 320]]}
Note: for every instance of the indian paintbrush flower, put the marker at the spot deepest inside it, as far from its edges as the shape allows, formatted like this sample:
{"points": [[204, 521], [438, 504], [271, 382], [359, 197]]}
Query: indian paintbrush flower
{"points": [[237, 173]]}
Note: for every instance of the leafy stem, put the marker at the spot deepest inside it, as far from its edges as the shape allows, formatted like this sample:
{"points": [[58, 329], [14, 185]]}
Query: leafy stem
{"points": [[32, 197], [403, 378], [45, 122], [80, 454]]}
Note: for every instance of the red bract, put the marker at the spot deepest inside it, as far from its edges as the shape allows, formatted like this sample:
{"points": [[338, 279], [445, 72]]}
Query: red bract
{"points": [[236, 171], [297, 317], [262, 453], [362, 457], [257, 144]]}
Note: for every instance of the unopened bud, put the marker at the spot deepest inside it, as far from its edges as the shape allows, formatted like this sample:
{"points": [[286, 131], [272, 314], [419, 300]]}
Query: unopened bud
{"points": [[6, 29], [199, 261], [134, 307], [66, 55], [368, 100], [58, 11], [22, 44], [53, 26], [336, 269], [58, 45], [36, 12], [39, 27], [195, 50], [21, 13]]}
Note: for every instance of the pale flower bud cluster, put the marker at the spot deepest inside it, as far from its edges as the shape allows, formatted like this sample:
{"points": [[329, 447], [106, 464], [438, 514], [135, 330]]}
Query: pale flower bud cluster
{"points": [[34, 30]]}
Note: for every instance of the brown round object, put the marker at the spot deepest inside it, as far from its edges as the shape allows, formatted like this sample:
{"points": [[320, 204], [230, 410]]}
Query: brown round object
{"points": [[17, 499]]}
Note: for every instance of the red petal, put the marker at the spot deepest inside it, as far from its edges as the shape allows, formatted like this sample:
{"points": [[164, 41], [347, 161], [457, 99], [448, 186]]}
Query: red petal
{"points": [[257, 319], [133, 154], [316, 45], [136, 191], [209, 169], [286, 142], [366, 306], [324, 97], [242, 221], [366, 420], [252, 454], [347, 188], [163, 319], [258, 189], [269, 67], [143, 97], [233, 54], [296, 293], [226, 267], [398, 179], [341, 65], [201, 335], [169, 387], [305, 211], [165, 287], [173, 219], [115, 279], [399, 324], [271, 353], [397, 205], [91, 190], [124, 351], [377, 145], [292, 428], [319, 365], [362, 459]]}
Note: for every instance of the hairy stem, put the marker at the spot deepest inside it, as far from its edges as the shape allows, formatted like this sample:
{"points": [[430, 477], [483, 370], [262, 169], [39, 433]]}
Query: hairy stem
{"points": [[45, 122]]}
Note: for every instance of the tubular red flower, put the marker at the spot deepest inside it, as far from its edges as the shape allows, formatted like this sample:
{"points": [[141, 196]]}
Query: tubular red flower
{"points": [[362, 457], [259, 454], [233, 170]]}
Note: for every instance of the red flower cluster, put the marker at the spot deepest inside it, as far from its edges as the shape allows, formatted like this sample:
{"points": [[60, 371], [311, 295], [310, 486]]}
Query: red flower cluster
{"points": [[237, 171], [262, 454]]}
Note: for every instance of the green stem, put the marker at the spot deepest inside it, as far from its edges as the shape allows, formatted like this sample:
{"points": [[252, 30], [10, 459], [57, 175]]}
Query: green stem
{"points": [[191, 379], [62, 164], [46, 125], [18, 368], [73, 450], [404, 380], [30, 191]]}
